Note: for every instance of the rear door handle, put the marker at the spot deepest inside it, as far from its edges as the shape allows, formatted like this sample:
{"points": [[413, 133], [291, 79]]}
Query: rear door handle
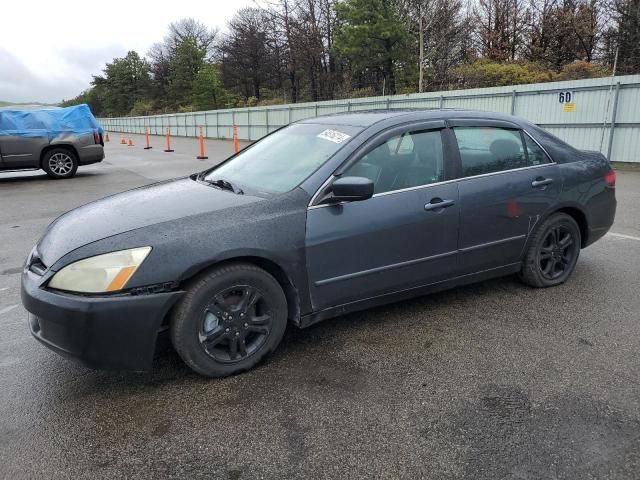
{"points": [[541, 182], [438, 203]]}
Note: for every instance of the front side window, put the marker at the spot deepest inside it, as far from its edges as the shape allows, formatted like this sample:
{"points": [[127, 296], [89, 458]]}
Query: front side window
{"points": [[490, 149], [280, 162], [409, 160]]}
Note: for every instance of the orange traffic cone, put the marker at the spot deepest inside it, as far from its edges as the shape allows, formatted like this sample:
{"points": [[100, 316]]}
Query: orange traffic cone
{"points": [[106, 136], [236, 146], [202, 156], [123, 141], [168, 149], [146, 138], [130, 142]]}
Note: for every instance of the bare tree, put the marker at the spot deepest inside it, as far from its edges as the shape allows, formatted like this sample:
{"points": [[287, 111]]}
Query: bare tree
{"points": [[439, 26], [192, 30], [245, 53], [500, 27], [623, 35]]}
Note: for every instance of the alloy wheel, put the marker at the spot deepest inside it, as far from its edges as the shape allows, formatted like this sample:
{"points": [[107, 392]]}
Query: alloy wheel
{"points": [[235, 324], [61, 164], [557, 252]]}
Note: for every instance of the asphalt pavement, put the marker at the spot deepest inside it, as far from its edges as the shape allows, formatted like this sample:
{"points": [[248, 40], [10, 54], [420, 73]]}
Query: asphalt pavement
{"points": [[490, 381]]}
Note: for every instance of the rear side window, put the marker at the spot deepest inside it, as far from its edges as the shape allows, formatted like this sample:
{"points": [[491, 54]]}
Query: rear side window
{"points": [[535, 154], [489, 149]]}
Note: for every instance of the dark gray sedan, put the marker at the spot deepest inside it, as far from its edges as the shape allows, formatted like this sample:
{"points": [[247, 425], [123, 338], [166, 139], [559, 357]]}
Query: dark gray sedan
{"points": [[323, 217]]}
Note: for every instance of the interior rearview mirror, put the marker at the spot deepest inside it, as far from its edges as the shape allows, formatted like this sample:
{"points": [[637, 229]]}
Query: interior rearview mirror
{"points": [[349, 189]]}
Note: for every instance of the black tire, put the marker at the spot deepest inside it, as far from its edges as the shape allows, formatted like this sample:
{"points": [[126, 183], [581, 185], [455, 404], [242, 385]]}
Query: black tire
{"points": [[60, 163], [552, 252], [210, 320]]}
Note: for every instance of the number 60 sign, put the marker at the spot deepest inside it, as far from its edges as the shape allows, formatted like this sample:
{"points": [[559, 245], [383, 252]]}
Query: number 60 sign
{"points": [[565, 97]]}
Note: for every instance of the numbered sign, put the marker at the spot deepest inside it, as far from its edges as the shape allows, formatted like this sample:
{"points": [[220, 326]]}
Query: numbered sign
{"points": [[566, 99]]}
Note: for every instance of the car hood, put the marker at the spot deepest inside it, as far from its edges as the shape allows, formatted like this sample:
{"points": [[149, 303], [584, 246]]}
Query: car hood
{"points": [[131, 210]]}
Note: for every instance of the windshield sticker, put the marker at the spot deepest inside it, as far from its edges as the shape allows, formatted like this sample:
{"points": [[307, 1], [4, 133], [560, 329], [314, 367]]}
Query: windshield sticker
{"points": [[334, 136]]}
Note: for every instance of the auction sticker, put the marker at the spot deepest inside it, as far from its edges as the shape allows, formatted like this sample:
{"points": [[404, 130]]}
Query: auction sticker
{"points": [[334, 136]]}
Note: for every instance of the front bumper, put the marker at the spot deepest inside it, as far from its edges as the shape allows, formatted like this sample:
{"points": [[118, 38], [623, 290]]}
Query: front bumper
{"points": [[107, 332]]}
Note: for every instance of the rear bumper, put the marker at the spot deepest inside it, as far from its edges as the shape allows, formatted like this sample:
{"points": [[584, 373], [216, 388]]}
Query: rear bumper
{"points": [[602, 213], [90, 154], [109, 332]]}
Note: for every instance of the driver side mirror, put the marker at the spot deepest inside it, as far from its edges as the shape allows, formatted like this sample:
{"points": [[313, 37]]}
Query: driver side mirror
{"points": [[349, 189]]}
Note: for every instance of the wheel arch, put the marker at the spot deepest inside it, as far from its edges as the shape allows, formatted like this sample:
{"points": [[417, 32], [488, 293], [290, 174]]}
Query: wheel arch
{"points": [[64, 146], [574, 212], [581, 219], [270, 266]]}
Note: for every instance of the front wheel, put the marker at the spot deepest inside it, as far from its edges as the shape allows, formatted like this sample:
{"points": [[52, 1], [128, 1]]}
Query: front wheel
{"points": [[229, 320], [552, 253], [60, 163]]}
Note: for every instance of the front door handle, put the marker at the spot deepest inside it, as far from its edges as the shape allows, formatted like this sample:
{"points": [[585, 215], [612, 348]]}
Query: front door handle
{"points": [[541, 182], [438, 203]]}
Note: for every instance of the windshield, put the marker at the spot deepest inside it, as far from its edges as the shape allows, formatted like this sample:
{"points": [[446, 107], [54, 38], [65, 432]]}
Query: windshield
{"points": [[280, 162]]}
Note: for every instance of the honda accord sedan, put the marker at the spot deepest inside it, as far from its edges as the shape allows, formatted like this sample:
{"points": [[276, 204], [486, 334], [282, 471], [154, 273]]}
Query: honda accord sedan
{"points": [[322, 217]]}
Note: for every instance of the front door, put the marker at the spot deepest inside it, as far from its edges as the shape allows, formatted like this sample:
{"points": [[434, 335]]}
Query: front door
{"points": [[398, 239], [507, 183]]}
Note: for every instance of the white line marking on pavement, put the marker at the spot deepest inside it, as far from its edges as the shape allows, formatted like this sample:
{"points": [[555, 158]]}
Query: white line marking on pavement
{"points": [[628, 237], [8, 309], [3, 289]]}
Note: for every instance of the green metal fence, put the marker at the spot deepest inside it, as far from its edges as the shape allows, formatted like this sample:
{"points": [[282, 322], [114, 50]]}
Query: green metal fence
{"points": [[595, 114]]}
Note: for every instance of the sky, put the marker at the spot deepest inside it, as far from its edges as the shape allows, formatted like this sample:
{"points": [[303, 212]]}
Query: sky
{"points": [[49, 50]]}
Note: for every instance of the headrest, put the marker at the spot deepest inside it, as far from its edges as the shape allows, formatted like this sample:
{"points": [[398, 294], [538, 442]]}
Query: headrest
{"points": [[503, 148], [427, 147]]}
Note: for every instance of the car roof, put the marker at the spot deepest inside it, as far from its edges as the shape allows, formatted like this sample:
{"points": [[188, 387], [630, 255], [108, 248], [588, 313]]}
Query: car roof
{"points": [[366, 118]]}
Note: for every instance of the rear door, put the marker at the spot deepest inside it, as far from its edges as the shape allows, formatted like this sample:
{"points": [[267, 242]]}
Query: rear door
{"points": [[507, 182], [22, 151], [398, 239]]}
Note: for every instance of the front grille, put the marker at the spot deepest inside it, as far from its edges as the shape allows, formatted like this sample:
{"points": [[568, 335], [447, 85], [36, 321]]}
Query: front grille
{"points": [[157, 288]]}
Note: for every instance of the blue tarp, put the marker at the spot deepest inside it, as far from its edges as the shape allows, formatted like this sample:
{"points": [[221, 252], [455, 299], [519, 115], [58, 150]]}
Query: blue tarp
{"points": [[48, 122]]}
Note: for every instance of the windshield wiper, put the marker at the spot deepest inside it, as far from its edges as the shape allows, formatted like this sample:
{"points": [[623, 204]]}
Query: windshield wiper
{"points": [[224, 185]]}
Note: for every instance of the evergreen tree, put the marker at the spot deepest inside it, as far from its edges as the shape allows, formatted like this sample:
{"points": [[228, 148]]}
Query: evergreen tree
{"points": [[208, 93], [373, 38]]}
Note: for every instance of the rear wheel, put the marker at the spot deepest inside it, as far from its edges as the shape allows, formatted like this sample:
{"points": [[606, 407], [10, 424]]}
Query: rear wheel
{"points": [[60, 163], [230, 319], [552, 253]]}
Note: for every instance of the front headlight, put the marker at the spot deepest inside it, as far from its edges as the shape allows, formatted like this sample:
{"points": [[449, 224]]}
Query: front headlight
{"points": [[100, 274]]}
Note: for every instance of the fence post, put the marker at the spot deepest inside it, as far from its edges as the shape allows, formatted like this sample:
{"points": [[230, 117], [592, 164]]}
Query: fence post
{"points": [[513, 102], [217, 123], [441, 102], [267, 119], [612, 125], [249, 124], [289, 115]]}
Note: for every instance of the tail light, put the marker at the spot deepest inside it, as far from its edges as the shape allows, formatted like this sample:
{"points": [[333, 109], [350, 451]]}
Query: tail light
{"points": [[610, 179], [96, 137]]}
